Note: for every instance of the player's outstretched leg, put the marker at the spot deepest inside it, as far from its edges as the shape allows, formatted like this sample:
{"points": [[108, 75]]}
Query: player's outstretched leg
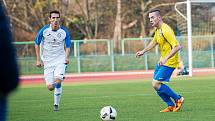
{"points": [[179, 100]]}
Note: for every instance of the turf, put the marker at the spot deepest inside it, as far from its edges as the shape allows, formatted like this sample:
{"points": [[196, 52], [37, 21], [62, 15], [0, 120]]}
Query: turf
{"points": [[134, 100]]}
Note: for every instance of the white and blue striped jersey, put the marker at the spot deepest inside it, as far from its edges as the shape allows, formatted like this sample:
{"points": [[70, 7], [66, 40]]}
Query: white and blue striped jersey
{"points": [[53, 43]]}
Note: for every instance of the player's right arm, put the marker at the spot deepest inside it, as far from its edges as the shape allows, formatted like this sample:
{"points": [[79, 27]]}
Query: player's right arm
{"points": [[151, 45], [38, 60], [38, 40]]}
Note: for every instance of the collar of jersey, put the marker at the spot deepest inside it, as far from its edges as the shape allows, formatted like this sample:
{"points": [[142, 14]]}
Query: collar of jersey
{"points": [[54, 30]]}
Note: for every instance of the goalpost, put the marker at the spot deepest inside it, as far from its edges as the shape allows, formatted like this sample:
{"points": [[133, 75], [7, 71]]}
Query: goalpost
{"points": [[186, 25]]}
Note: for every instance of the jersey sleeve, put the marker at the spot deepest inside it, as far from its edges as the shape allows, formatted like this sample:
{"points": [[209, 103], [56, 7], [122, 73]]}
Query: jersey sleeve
{"points": [[170, 36], [68, 38], [39, 35]]}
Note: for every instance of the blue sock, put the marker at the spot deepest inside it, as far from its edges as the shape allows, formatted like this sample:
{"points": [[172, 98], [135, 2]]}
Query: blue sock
{"points": [[165, 98], [168, 91], [58, 85]]}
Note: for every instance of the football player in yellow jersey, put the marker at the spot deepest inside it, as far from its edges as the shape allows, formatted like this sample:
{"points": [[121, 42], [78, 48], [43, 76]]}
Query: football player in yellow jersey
{"points": [[165, 38]]}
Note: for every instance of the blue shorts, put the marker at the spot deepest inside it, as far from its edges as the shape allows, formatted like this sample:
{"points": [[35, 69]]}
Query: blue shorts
{"points": [[163, 73]]}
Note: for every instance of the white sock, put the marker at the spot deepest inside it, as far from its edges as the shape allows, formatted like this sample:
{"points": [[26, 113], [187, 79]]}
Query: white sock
{"points": [[57, 95]]}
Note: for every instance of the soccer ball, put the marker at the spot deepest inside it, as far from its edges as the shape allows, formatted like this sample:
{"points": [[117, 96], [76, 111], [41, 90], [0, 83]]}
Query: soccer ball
{"points": [[108, 113]]}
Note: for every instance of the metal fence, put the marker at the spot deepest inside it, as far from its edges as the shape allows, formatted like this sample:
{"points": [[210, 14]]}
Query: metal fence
{"points": [[99, 55]]}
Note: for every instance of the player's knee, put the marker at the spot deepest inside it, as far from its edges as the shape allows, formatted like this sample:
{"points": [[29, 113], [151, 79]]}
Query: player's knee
{"points": [[156, 84], [50, 87], [58, 81]]}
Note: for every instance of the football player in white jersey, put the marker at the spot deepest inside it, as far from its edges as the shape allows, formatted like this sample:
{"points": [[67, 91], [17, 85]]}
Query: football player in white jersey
{"points": [[52, 45]]}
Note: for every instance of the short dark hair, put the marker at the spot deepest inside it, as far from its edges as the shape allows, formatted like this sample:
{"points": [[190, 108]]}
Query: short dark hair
{"points": [[155, 10], [54, 11]]}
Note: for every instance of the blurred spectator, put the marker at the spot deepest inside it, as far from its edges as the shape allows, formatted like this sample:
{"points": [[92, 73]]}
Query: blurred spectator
{"points": [[9, 70]]}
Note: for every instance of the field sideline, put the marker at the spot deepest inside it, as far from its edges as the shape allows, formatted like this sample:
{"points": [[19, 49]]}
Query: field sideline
{"points": [[134, 100], [107, 76]]}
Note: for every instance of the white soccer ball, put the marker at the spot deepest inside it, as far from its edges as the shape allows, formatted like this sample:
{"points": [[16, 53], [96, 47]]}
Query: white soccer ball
{"points": [[108, 113]]}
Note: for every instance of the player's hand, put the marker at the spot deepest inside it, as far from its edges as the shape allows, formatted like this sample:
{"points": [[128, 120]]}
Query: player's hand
{"points": [[39, 64], [139, 53], [162, 62]]}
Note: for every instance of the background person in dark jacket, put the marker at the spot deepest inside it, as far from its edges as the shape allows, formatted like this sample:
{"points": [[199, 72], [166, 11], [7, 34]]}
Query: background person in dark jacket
{"points": [[8, 66]]}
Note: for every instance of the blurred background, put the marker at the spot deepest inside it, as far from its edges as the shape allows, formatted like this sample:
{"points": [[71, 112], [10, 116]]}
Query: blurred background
{"points": [[107, 33]]}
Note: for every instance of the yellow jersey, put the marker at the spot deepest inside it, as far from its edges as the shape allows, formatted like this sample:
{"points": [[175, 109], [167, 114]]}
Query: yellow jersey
{"points": [[166, 40]]}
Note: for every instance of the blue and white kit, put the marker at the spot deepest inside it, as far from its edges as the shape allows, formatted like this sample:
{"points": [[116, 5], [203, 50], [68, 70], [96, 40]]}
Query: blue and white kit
{"points": [[52, 51]]}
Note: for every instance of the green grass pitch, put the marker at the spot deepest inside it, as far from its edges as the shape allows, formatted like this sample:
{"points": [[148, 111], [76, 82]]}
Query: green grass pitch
{"points": [[134, 100]]}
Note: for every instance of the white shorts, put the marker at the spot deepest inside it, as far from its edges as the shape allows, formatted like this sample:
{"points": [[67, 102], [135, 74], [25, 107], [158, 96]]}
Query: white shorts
{"points": [[53, 72]]}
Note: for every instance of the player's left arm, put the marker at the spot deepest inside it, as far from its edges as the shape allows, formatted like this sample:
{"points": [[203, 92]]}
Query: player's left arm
{"points": [[68, 45], [175, 46], [174, 50], [67, 55]]}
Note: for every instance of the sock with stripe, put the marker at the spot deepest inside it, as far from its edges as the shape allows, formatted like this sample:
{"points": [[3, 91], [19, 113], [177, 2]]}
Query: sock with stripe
{"points": [[57, 93]]}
